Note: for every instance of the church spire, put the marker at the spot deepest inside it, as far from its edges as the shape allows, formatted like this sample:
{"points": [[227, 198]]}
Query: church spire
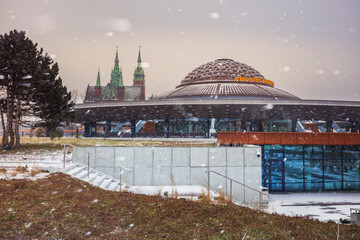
{"points": [[116, 67], [116, 74], [98, 83], [139, 72], [139, 77], [139, 58]]}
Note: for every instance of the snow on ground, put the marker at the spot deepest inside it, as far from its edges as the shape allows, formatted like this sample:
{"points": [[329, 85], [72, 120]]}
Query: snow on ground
{"points": [[182, 191], [323, 206], [37, 160], [11, 174]]}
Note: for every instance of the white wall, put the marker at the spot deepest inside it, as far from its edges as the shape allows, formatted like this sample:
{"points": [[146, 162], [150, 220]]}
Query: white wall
{"points": [[163, 166]]}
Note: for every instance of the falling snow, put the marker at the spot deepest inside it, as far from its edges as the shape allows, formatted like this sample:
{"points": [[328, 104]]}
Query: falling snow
{"points": [[120, 24], [214, 15]]}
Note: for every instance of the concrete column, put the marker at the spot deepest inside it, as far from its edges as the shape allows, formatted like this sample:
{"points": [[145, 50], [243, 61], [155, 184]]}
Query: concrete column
{"points": [[167, 128], [133, 128]]}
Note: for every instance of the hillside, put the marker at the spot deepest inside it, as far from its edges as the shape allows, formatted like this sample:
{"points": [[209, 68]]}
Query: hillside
{"points": [[62, 207]]}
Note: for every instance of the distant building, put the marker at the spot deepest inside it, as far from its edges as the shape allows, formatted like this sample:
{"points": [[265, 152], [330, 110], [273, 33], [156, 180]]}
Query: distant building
{"points": [[306, 145], [115, 89]]}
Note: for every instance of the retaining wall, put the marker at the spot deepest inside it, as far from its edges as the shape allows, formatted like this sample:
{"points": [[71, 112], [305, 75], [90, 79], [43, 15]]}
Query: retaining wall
{"points": [[164, 166]]}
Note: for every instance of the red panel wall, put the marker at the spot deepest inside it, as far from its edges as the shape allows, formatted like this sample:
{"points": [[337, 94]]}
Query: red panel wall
{"points": [[288, 138]]}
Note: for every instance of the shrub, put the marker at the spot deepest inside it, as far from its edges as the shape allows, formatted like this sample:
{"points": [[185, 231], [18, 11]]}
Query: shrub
{"points": [[344, 221], [31, 134], [39, 131], [58, 132]]}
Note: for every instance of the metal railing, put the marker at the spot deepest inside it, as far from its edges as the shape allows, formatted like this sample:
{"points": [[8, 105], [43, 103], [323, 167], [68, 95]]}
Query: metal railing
{"points": [[242, 184], [96, 156]]}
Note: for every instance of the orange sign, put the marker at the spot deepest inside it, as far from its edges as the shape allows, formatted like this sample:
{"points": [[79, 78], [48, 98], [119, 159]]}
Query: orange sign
{"points": [[254, 80]]}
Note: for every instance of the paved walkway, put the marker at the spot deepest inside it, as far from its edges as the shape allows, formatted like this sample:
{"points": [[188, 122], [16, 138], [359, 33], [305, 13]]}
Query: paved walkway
{"points": [[324, 206]]}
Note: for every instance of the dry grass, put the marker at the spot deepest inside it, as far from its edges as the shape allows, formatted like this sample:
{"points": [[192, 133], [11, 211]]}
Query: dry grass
{"points": [[46, 144], [34, 171], [174, 194], [204, 197], [13, 173], [53, 208], [22, 169], [113, 142], [3, 170], [223, 198], [158, 193]]}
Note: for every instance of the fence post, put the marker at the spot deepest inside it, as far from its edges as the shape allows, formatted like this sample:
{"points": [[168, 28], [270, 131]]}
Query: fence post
{"points": [[230, 189], [120, 178], [64, 155], [88, 165], [208, 187], [260, 199]]}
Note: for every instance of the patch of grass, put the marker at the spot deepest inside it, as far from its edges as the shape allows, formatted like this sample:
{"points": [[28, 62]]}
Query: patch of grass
{"points": [[53, 208], [174, 194], [223, 198], [113, 142], [3, 170], [13, 173], [22, 169], [29, 145], [204, 197], [34, 171]]}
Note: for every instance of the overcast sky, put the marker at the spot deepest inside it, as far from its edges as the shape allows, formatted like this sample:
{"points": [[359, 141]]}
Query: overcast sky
{"points": [[310, 48]]}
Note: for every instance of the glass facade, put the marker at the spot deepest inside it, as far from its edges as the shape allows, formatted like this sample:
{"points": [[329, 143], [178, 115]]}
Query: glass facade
{"points": [[311, 168]]}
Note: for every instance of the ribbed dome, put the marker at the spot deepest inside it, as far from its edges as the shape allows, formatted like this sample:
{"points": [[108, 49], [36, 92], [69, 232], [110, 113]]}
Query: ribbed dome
{"points": [[220, 70], [217, 80]]}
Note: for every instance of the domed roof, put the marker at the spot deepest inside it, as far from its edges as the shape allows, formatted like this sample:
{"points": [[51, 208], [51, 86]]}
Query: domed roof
{"points": [[226, 78], [220, 70]]}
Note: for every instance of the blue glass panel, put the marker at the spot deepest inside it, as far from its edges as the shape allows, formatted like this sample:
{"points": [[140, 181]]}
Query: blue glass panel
{"points": [[294, 175], [293, 152], [332, 152], [276, 175], [313, 152], [313, 175], [332, 174], [265, 173], [352, 174], [274, 152]]}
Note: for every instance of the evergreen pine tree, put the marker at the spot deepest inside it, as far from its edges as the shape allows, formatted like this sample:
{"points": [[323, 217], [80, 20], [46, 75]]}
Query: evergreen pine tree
{"points": [[29, 86]]}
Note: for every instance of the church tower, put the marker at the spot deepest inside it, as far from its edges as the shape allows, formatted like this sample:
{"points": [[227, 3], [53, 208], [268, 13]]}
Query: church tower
{"points": [[139, 77], [120, 88], [98, 88], [116, 73], [117, 79]]}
